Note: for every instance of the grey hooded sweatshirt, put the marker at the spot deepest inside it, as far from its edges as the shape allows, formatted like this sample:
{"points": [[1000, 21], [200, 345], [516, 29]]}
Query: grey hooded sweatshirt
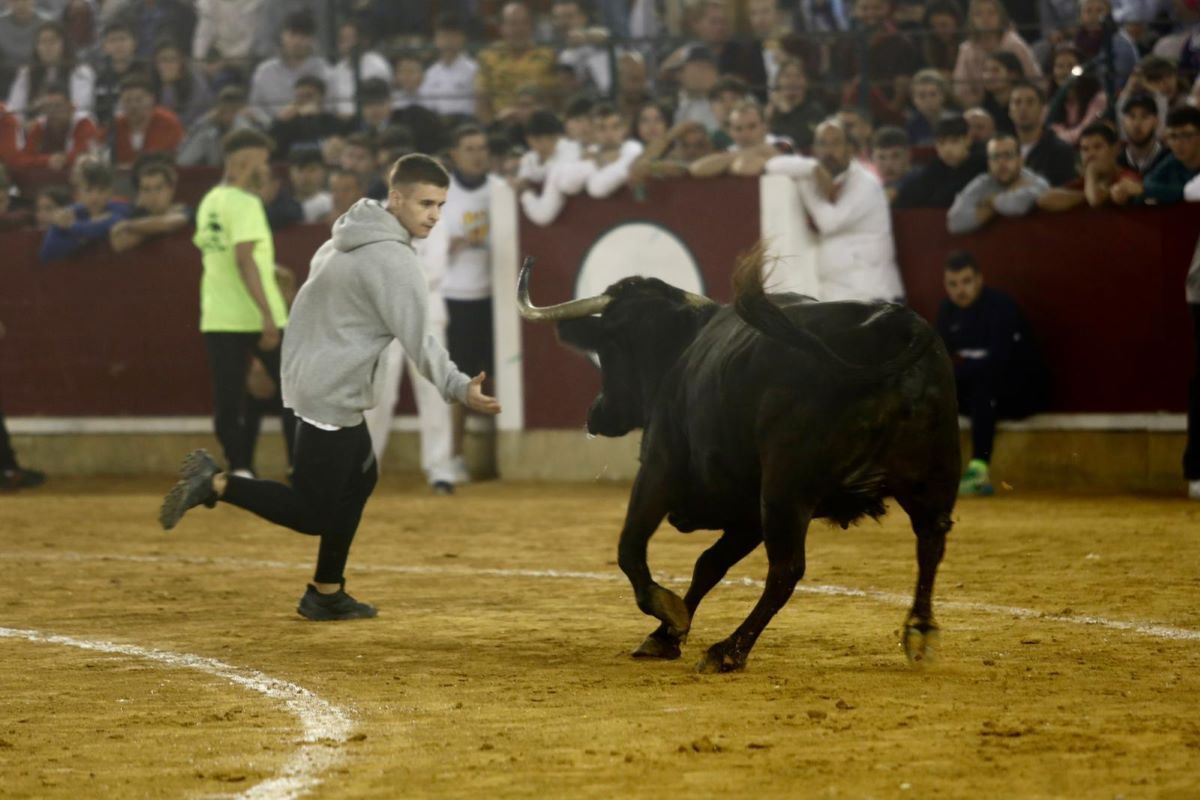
{"points": [[365, 288]]}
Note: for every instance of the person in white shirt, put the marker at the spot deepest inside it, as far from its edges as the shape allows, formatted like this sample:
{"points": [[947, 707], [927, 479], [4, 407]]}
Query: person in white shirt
{"points": [[614, 153], [856, 258], [449, 83], [748, 128], [467, 286], [549, 154], [342, 84]]}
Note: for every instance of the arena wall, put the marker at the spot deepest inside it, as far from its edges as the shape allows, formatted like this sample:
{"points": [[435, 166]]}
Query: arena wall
{"points": [[106, 337]]}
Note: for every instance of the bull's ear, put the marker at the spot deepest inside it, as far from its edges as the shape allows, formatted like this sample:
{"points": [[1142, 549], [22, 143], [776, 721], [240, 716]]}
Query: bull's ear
{"points": [[585, 333]]}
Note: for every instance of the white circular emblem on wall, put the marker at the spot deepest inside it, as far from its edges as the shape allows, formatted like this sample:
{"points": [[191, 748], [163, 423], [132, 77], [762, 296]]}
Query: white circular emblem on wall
{"points": [[637, 248]]}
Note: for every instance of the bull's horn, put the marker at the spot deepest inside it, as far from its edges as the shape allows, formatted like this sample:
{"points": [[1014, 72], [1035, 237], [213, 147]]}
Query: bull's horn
{"points": [[698, 300], [572, 310]]}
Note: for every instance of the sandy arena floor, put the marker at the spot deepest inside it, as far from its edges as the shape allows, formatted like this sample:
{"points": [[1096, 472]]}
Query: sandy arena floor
{"points": [[490, 672]]}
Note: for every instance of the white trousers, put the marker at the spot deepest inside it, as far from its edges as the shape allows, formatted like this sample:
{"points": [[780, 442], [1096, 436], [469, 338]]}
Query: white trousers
{"points": [[433, 414]]}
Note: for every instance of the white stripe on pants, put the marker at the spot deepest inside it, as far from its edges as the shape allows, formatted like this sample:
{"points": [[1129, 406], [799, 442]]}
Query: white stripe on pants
{"points": [[433, 414]]}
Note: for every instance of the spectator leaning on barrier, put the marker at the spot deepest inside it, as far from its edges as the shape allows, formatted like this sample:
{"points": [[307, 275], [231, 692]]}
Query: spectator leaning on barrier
{"points": [[752, 145], [242, 311], [1041, 150], [793, 112], [274, 82], [47, 202], [856, 257], [142, 127], [155, 211], [1098, 148], [728, 92], [60, 134], [513, 62], [449, 83], [614, 153], [1165, 183], [1143, 151], [90, 219], [958, 160], [998, 370], [1008, 189], [670, 155]]}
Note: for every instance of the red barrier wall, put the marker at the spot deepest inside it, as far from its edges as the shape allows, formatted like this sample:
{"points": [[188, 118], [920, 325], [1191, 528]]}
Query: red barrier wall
{"points": [[106, 335]]}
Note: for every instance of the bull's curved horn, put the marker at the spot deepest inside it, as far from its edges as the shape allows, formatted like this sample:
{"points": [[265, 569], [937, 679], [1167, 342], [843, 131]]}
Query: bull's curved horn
{"points": [[571, 310]]}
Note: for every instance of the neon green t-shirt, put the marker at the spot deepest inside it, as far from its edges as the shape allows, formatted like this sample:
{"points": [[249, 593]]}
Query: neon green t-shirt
{"points": [[229, 216]]}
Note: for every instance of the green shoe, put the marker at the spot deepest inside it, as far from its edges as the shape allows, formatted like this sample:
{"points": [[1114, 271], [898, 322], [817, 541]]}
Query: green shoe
{"points": [[975, 481]]}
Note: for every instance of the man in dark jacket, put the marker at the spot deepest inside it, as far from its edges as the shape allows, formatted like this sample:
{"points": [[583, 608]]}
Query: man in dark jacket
{"points": [[958, 161], [1045, 153], [998, 371]]}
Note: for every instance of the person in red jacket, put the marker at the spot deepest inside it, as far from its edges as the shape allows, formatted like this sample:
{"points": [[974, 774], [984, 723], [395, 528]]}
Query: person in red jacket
{"points": [[60, 134], [140, 126], [10, 137]]}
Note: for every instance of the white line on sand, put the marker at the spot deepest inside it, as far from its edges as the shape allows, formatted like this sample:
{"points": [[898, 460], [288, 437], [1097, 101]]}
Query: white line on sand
{"points": [[889, 598], [325, 725]]}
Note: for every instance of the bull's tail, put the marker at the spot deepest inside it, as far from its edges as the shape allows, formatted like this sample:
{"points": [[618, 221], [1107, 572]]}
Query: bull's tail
{"points": [[756, 309]]}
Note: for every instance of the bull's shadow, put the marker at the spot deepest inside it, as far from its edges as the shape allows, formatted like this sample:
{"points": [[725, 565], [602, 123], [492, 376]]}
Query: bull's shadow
{"points": [[758, 418]]}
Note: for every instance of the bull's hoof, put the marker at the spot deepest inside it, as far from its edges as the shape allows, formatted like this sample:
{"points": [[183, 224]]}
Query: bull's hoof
{"points": [[721, 657], [658, 645], [670, 609], [920, 642]]}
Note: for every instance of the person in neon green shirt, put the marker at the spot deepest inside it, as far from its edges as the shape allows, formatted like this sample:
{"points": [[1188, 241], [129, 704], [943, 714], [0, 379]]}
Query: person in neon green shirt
{"points": [[242, 310]]}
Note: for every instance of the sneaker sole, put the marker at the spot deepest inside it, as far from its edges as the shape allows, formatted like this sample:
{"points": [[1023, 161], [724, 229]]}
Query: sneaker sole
{"points": [[175, 505], [323, 616]]}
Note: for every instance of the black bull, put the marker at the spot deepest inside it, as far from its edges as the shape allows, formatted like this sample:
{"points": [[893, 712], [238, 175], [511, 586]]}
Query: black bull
{"points": [[759, 418]]}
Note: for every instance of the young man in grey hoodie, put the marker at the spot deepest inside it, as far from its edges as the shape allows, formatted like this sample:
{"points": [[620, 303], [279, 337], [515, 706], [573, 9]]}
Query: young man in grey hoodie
{"points": [[364, 289]]}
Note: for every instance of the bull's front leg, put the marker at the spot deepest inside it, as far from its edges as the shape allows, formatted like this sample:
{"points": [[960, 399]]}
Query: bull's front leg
{"points": [[648, 504]]}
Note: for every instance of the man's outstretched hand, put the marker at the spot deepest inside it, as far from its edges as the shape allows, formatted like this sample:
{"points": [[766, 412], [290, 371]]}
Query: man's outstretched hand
{"points": [[477, 400]]}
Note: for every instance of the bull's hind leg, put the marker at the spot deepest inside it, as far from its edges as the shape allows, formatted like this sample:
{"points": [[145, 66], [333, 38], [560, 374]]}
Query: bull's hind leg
{"points": [[648, 504], [732, 547], [930, 524], [785, 527]]}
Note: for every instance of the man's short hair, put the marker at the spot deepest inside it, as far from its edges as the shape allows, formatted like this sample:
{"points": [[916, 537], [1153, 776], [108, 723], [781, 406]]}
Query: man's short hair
{"points": [[932, 77], [1005, 136], [136, 81], [544, 123], [1142, 100], [374, 90], [156, 166], [862, 112], [419, 168], [312, 82], [95, 174], [305, 155], [890, 136], [339, 172], [951, 127], [449, 22], [1184, 116], [700, 54], [499, 145], [232, 95], [604, 111], [363, 140], [580, 106], [1033, 87], [301, 22], [730, 84], [960, 260], [1102, 129], [246, 139], [118, 26], [1156, 68], [463, 131]]}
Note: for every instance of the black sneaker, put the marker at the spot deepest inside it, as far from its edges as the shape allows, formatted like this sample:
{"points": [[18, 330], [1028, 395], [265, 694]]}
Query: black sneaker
{"points": [[19, 478], [327, 607], [194, 488], [442, 488]]}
